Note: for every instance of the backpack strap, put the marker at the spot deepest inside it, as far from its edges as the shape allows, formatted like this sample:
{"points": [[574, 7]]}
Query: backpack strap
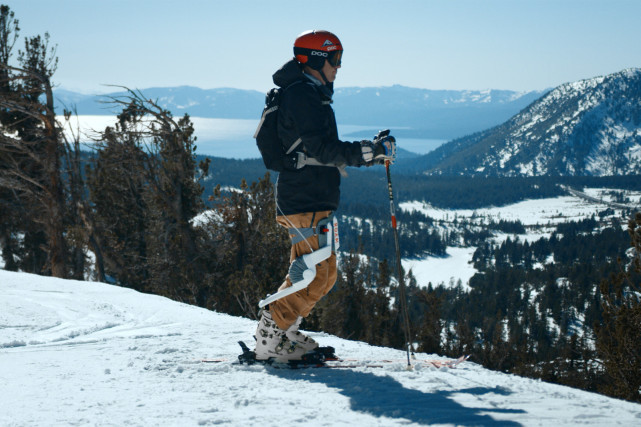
{"points": [[294, 145], [262, 119], [268, 111]]}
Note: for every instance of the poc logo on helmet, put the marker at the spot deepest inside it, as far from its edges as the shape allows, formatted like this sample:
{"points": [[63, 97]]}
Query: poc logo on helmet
{"points": [[317, 53]]}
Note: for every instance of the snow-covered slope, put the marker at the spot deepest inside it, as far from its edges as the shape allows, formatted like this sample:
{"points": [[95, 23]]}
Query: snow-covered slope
{"points": [[588, 127], [80, 353]]}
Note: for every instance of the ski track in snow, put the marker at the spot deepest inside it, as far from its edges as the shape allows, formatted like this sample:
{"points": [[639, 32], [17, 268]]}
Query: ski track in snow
{"points": [[81, 353]]}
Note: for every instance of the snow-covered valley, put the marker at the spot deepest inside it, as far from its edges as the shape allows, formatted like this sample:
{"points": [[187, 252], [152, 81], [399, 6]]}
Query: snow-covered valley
{"points": [[539, 218]]}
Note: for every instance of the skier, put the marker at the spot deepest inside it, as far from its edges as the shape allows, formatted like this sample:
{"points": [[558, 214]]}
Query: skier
{"points": [[307, 190]]}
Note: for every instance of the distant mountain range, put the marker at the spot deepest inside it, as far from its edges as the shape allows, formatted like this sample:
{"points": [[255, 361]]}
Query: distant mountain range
{"points": [[587, 128], [411, 112], [223, 103], [423, 113]]}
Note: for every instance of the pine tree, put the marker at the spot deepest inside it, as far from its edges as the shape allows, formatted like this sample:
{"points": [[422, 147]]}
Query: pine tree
{"points": [[117, 219], [10, 218], [30, 155], [145, 193], [429, 333], [77, 236], [251, 249], [380, 307], [619, 336], [341, 311]]}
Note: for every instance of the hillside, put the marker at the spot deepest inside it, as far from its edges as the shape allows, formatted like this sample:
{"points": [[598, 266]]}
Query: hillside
{"points": [[590, 127], [88, 353]]}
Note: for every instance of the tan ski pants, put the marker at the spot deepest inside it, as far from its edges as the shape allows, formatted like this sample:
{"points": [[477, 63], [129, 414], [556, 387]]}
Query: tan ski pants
{"points": [[285, 311]]}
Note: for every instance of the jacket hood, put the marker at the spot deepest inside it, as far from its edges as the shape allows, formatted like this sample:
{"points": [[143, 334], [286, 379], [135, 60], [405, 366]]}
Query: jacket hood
{"points": [[292, 72], [289, 73]]}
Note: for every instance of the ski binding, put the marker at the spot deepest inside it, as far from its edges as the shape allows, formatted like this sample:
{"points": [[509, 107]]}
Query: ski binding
{"points": [[315, 358]]}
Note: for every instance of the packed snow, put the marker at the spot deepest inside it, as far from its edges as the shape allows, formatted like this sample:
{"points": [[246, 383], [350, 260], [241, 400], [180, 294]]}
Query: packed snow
{"points": [[86, 353]]}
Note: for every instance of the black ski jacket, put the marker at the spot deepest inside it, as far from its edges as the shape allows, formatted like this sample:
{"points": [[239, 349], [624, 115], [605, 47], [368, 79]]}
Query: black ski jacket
{"points": [[305, 112]]}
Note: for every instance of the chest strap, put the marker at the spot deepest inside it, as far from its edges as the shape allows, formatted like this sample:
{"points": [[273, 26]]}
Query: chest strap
{"points": [[303, 160]]}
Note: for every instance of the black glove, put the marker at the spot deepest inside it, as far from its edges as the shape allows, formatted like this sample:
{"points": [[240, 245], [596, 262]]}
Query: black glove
{"points": [[384, 146]]}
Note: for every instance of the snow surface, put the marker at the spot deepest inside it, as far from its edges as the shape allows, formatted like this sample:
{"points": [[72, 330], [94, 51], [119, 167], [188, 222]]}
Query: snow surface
{"points": [[455, 266], [86, 353]]}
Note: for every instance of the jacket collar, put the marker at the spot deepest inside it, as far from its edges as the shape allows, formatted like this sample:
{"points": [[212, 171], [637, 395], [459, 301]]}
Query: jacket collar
{"points": [[313, 79]]}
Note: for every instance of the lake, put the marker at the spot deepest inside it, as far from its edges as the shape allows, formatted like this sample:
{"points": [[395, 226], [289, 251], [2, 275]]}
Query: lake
{"points": [[233, 138]]}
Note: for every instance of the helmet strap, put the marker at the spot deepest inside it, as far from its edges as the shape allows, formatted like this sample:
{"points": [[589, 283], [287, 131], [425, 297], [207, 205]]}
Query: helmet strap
{"points": [[323, 76], [329, 86]]}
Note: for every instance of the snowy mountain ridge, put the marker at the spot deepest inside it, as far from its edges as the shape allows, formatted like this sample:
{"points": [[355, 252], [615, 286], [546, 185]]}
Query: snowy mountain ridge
{"points": [[89, 353], [436, 97], [588, 127], [414, 112]]}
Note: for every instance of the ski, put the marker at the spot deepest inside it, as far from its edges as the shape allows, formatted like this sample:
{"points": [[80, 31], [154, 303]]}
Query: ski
{"points": [[355, 363], [324, 357], [336, 364], [435, 363]]}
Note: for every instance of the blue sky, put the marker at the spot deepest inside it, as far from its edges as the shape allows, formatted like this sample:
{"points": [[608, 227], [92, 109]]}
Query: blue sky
{"points": [[454, 44]]}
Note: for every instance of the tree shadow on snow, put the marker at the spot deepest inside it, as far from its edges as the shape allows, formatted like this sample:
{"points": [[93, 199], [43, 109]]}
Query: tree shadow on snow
{"points": [[383, 396]]}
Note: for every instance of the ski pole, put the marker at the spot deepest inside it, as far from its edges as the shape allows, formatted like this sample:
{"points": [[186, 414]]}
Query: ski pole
{"points": [[401, 281]]}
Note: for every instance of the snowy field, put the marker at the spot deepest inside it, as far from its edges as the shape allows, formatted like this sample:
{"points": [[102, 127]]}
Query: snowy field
{"points": [[539, 217], [447, 270], [537, 214], [80, 353]]}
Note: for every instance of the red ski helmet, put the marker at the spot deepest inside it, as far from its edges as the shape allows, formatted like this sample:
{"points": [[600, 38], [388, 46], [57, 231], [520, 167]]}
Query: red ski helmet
{"points": [[312, 48]]}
